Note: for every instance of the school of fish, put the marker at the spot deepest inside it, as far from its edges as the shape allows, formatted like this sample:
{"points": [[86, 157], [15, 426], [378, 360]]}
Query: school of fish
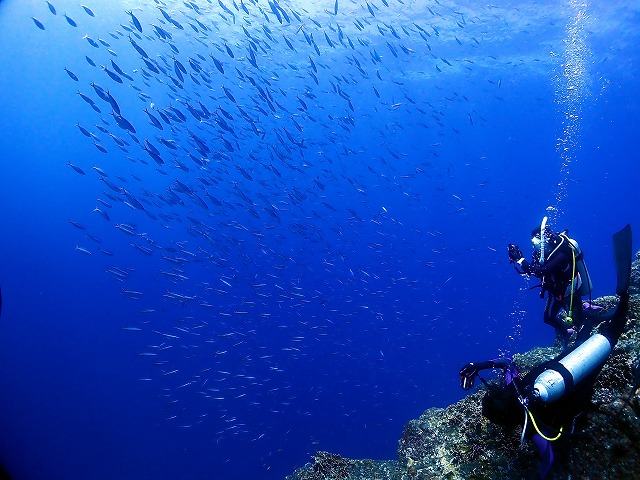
{"points": [[240, 152]]}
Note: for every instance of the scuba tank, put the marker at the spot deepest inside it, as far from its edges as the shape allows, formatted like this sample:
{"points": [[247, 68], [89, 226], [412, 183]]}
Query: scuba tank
{"points": [[586, 286], [572, 369]]}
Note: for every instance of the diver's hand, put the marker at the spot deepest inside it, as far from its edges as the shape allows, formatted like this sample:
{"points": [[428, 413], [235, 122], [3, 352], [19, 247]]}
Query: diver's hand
{"points": [[468, 374], [515, 253]]}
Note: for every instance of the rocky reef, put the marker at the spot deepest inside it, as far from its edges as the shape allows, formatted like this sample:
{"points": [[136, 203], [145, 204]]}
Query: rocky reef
{"points": [[459, 443]]}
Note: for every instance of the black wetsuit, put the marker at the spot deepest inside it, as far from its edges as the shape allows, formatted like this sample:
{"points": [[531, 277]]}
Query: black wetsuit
{"points": [[502, 405], [556, 274]]}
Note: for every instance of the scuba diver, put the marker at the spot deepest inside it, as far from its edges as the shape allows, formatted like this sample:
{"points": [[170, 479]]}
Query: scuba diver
{"points": [[552, 395], [559, 263]]}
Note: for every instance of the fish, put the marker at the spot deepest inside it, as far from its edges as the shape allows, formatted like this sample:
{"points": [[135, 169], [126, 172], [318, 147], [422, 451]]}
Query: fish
{"points": [[71, 74], [76, 168], [179, 116], [123, 122], [313, 65], [114, 76], [289, 44], [100, 147], [84, 131], [178, 66], [119, 71], [52, 9], [138, 48], [165, 14], [38, 23], [101, 92], [252, 58], [370, 9], [91, 42], [88, 10], [164, 35], [106, 204], [102, 214], [70, 21], [77, 225], [136, 22], [226, 9], [119, 141], [126, 229], [87, 99], [154, 121], [112, 101], [133, 200], [150, 65], [101, 172], [228, 94], [229, 51]]}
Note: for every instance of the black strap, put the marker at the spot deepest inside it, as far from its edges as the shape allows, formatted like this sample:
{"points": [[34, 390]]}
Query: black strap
{"points": [[566, 375], [483, 380]]}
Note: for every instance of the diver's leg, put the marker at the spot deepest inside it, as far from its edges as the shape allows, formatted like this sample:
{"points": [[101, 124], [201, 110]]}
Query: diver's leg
{"points": [[546, 455], [584, 323], [551, 318], [550, 311]]}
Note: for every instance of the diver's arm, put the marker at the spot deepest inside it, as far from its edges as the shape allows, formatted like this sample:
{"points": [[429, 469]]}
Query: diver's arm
{"points": [[522, 266], [475, 367], [470, 371], [538, 270]]}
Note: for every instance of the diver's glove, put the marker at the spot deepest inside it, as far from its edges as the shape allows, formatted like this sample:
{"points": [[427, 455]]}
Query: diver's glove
{"points": [[515, 253], [468, 374]]}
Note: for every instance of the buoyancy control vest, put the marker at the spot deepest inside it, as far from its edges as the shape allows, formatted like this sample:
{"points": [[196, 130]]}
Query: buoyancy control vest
{"points": [[582, 285]]}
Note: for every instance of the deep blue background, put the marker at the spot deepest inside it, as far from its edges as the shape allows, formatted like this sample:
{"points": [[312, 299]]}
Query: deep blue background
{"points": [[370, 305]]}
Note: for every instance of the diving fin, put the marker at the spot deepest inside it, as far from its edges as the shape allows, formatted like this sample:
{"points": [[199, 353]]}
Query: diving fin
{"points": [[622, 258]]}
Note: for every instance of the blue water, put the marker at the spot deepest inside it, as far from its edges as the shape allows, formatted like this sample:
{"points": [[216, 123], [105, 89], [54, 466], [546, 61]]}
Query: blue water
{"points": [[354, 254]]}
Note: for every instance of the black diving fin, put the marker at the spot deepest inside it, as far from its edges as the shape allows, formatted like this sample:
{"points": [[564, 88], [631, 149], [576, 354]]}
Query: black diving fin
{"points": [[621, 255]]}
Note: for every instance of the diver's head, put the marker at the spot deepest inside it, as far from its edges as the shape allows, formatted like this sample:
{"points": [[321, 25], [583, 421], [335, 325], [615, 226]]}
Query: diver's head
{"points": [[541, 238], [536, 238]]}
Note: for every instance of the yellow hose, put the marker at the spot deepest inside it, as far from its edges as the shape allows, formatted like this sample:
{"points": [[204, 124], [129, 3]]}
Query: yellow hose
{"points": [[573, 279], [535, 425]]}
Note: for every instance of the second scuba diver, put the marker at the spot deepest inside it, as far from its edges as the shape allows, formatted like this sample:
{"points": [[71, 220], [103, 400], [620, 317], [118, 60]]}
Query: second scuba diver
{"points": [[559, 263]]}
